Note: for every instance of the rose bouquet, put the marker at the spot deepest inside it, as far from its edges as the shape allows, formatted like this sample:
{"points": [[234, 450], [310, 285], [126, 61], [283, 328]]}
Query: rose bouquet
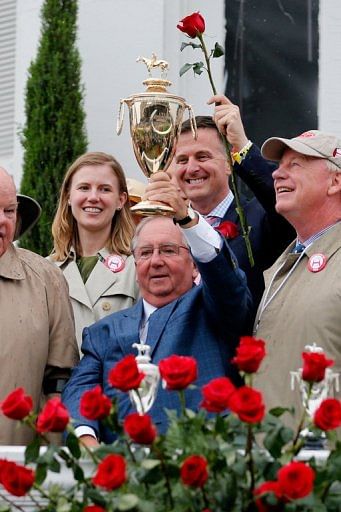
{"points": [[208, 460]]}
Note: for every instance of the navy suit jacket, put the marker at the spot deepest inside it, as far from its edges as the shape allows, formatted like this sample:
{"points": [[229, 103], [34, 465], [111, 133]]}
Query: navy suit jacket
{"points": [[205, 323], [270, 233]]}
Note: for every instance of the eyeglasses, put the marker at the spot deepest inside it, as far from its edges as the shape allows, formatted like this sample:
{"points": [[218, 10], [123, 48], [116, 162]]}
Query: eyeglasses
{"points": [[167, 250]]}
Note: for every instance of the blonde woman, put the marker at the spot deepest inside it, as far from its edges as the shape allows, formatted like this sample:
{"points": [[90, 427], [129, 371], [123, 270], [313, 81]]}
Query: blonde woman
{"points": [[92, 231]]}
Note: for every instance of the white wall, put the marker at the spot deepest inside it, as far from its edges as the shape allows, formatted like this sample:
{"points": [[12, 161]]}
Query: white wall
{"points": [[330, 66], [112, 34]]}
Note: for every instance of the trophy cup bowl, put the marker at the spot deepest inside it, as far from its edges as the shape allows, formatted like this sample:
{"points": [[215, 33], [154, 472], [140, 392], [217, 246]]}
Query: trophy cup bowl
{"points": [[155, 118]]}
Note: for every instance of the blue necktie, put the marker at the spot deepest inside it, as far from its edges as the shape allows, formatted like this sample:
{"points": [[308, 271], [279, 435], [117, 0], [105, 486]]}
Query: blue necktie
{"points": [[298, 248]]}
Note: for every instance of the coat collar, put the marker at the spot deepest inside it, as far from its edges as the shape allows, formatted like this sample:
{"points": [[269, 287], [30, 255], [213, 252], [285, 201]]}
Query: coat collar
{"points": [[100, 279], [10, 264]]}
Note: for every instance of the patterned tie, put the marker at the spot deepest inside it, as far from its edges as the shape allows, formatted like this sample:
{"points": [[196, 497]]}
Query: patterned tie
{"points": [[298, 248], [213, 220]]}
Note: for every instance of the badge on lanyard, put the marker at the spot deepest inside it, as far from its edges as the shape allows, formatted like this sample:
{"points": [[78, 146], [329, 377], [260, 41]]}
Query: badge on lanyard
{"points": [[317, 262], [114, 262]]}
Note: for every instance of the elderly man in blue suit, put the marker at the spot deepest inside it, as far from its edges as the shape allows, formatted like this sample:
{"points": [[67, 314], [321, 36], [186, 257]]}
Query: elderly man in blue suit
{"points": [[203, 321]]}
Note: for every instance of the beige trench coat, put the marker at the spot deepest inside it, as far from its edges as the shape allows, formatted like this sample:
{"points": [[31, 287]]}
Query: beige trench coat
{"points": [[104, 292], [37, 331], [306, 310]]}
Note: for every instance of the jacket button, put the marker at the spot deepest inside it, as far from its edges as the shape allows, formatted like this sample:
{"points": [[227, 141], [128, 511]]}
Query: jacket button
{"points": [[106, 306]]}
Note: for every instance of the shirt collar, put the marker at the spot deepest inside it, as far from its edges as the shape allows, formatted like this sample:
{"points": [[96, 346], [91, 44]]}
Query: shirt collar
{"points": [[148, 309], [223, 206], [317, 235]]}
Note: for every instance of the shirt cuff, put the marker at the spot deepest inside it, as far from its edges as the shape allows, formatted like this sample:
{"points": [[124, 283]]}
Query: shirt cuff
{"points": [[203, 240], [84, 430]]}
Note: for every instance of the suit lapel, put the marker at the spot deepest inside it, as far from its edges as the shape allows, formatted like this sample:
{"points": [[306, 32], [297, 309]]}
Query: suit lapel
{"points": [[129, 327], [157, 323]]}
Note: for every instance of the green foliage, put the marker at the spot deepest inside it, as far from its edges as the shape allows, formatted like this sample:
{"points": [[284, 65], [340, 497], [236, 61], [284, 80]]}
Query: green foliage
{"points": [[54, 133]]}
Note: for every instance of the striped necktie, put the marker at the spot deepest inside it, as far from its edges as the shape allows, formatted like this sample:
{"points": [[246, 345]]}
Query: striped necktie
{"points": [[213, 220]]}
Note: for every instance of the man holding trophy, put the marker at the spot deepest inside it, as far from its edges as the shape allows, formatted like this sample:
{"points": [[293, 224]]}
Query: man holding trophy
{"points": [[202, 321], [174, 316]]}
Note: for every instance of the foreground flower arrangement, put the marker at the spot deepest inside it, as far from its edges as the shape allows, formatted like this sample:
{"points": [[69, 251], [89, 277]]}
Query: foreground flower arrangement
{"points": [[207, 461]]}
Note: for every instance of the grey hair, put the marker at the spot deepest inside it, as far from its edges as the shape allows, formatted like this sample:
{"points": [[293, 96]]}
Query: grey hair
{"points": [[145, 221], [332, 167]]}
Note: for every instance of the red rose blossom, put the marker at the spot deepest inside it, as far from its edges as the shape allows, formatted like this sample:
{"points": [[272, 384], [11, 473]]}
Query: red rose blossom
{"points": [[228, 229], [250, 354], [111, 472], [248, 404], [16, 479], [192, 25], [296, 480], [178, 372], [93, 508], [314, 366], [217, 394], [94, 405], [54, 416], [125, 375], [17, 405], [193, 471], [328, 415], [140, 428], [267, 487]]}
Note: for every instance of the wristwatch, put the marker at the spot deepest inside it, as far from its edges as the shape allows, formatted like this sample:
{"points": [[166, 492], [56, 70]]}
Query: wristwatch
{"points": [[191, 215]]}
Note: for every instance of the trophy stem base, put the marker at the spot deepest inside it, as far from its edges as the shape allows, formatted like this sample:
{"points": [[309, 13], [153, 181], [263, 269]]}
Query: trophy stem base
{"points": [[148, 209]]}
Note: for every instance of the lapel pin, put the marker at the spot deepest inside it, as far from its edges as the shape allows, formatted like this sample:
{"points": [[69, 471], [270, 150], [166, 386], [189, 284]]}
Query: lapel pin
{"points": [[114, 262], [317, 262]]}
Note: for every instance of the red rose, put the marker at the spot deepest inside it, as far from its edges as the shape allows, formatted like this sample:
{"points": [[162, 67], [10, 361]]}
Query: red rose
{"points": [[267, 487], [193, 471], [16, 479], [17, 405], [192, 25], [328, 415], [140, 428], [93, 508], [248, 404], [314, 366], [296, 480], [250, 354], [228, 229], [94, 405], [111, 472], [178, 371], [125, 375], [217, 394], [54, 416]]}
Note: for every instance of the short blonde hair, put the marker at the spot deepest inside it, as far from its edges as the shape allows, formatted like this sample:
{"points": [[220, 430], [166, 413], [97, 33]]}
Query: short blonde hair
{"points": [[64, 226]]}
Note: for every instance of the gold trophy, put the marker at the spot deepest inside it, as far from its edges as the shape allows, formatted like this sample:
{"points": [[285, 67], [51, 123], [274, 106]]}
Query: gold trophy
{"points": [[155, 124]]}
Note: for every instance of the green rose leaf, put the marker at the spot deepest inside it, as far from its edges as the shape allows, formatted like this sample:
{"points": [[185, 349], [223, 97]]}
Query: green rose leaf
{"points": [[185, 68], [150, 463], [41, 473], [72, 443], [198, 68], [218, 51], [32, 451], [127, 502]]}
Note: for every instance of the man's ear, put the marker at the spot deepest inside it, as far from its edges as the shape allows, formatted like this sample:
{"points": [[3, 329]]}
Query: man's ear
{"points": [[195, 272], [335, 185]]}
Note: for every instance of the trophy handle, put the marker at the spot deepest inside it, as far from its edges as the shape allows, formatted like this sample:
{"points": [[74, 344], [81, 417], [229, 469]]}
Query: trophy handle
{"points": [[120, 116], [192, 121]]}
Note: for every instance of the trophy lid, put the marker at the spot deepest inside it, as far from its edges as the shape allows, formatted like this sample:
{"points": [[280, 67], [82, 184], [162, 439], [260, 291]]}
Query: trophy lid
{"points": [[156, 86]]}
